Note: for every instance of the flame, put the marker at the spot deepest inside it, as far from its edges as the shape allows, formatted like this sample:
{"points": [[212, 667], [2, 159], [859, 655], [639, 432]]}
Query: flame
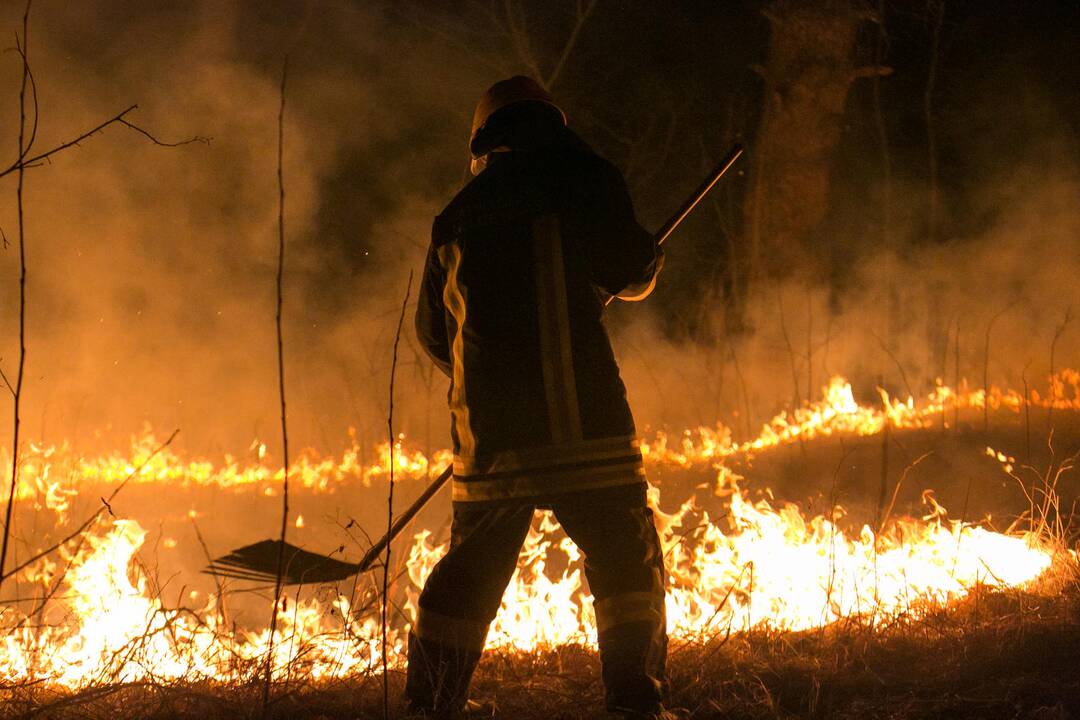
{"points": [[766, 567], [836, 414], [762, 565]]}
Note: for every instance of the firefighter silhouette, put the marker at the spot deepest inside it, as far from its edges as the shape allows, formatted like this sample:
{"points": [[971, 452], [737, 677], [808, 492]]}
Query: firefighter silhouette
{"points": [[511, 305]]}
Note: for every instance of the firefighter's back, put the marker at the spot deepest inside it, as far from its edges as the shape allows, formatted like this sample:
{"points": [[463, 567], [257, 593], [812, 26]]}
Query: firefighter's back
{"points": [[526, 251]]}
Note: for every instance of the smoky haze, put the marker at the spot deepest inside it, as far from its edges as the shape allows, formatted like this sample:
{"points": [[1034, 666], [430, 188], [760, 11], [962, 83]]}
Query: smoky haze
{"points": [[152, 269], [151, 291]]}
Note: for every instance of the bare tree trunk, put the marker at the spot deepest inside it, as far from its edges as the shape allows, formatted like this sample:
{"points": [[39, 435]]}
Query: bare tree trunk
{"points": [[807, 74]]}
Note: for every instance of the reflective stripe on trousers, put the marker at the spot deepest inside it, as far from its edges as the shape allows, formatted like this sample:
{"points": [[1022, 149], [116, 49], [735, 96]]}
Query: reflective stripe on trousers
{"points": [[531, 473]]}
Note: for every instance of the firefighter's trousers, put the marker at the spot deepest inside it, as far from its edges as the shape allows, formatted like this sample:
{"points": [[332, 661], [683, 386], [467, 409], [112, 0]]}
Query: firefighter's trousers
{"points": [[623, 565]]}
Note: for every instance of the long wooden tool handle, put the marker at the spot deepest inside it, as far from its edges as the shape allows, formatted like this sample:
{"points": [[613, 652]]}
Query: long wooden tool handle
{"points": [[703, 190], [402, 520], [661, 235]]}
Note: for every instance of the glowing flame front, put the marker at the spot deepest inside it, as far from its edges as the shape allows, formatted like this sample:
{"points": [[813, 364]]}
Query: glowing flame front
{"points": [[760, 566]]}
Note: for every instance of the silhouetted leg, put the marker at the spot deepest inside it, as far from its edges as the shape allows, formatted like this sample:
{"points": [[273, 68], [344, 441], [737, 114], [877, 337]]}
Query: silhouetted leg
{"points": [[459, 601], [625, 568]]}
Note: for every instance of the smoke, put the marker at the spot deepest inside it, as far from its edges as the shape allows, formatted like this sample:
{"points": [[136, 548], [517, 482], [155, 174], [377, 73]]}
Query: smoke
{"points": [[151, 286], [1003, 280], [152, 269]]}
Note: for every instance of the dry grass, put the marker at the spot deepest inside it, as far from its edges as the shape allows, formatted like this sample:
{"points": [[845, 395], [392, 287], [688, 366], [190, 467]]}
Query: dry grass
{"points": [[997, 654]]}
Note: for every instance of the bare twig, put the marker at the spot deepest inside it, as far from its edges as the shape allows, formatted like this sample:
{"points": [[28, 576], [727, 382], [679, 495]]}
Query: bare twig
{"points": [[944, 376], [518, 30], [20, 49], [956, 380], [105, 504], [582, 18], [960, 528], [896, 491], [797, 398], [986, 365], [896, 362], [7, 383], [884, 480], [745, 396], [1053, 349], [217, 580], [809, 346], [281, 391], [119, 118], [1027, 414], [155, 140], [834, 497], [390, 502]]}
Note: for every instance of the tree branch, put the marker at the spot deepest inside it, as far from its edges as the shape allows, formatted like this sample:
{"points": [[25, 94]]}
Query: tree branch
{"points": [[6, 381], [21, 50], [582, 18], [517, 27], [162, 143], [105, 505], [119, 118]]}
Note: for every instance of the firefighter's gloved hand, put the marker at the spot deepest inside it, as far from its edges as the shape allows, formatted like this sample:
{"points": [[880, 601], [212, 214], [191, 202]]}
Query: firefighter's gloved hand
{"points": [[640, 291]]}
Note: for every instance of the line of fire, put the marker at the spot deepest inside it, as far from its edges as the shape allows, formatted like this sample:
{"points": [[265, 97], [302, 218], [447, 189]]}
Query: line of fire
{"points": [[520, 359]]}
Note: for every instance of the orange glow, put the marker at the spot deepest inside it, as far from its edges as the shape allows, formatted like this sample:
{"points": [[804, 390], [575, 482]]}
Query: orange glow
{"points": [[763, 565]]}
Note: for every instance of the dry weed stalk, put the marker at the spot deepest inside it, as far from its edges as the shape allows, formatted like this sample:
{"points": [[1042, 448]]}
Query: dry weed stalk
{"points": [[281, 392], [1068, 317], [986, 365], [390, 500], [1046, 523]]}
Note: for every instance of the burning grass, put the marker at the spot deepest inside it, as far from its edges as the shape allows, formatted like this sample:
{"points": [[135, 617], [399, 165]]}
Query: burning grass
{"points": [[773, 611], [995, 654]]}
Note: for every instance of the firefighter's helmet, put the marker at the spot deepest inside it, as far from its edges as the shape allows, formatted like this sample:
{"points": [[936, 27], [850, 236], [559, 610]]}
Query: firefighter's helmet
{"points": [[503, 94]]}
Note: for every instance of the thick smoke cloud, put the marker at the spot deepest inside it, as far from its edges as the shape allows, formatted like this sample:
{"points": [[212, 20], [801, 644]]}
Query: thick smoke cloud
{"points": [[1008, 265], [152, 269]]}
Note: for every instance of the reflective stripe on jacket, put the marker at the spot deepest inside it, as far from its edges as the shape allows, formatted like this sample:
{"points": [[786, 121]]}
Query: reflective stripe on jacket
{"points": [[511, 308]]}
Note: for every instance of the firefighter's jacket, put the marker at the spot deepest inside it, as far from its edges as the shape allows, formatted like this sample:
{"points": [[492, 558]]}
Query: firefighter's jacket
{"points": [[510, 308]]}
